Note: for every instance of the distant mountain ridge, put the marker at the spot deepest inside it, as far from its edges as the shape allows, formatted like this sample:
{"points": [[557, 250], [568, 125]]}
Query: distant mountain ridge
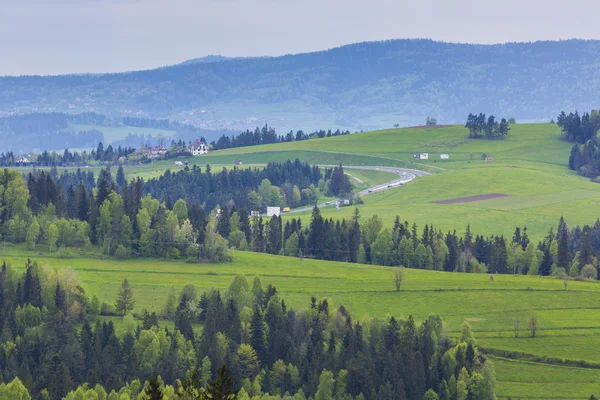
{"points": [[359, 86]]}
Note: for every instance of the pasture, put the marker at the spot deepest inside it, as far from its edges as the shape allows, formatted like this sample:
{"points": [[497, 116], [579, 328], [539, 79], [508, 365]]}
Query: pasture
{"points": [[569, 319], [530, 166]]}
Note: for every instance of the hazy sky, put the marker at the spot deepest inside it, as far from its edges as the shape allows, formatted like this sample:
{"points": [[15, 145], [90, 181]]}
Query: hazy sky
{"points": [[52, 37]]}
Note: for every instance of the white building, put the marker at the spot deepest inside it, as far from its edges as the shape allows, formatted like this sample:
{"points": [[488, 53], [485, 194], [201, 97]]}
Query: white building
{"points": [[273, 211], [424, 156], [197, 148], [444, 156]]}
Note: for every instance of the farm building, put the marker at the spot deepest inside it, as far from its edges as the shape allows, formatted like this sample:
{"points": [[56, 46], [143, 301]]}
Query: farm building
{"points": [[197, 148], [444, 156], [421, 156]]}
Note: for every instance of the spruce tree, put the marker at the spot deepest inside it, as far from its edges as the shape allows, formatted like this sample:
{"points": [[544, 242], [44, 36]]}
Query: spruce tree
{"points": [[125, 301], [153, 390], [222, 387], [257, 332], [120, 176], [563, 256], [546, 266]]}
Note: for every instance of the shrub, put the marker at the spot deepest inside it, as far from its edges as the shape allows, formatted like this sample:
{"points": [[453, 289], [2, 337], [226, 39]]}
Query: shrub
{"points": [[589, 272], [108, 309], [122, 252]]}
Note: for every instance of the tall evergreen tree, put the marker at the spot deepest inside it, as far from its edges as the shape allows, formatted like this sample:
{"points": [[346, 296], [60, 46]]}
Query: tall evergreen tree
{"points": [[257, 333], [125, 301]]}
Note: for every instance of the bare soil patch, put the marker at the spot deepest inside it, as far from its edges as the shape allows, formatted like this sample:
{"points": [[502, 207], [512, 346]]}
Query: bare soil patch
{"points": [[471, 199]]}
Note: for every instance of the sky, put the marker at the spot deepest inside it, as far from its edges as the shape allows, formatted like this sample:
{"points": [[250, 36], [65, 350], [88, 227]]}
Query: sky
{"points": [[51, 37]]}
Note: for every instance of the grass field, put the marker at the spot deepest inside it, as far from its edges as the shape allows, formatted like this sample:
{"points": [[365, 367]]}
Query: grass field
{"points": [[569, 319], [530, 166]]}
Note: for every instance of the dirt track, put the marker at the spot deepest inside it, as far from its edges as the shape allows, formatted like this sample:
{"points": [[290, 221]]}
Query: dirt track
{"points": [[471, 199]]}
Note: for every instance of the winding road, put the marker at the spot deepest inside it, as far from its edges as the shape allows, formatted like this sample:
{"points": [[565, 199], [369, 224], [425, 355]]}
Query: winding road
{"points": [[404, 175]]}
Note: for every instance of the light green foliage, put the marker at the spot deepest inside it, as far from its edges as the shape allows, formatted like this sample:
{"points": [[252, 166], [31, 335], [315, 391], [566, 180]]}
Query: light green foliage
{"points": [[171, 302], [235, 238], [466, 336], [129, 323], [381, 249], [14, 390], [150, 348], [325, 390], [589, 272], [143, 220], [291, 245], [86, 393], [255, 200], [341, 384], [215, 247], [271, 195], [27, 317], [180, 210], [248, 361], [431, 395], [13, 195], [33, 234], [371, 229], [234, 222], [239, 290], [488, 382], [205, 371]]}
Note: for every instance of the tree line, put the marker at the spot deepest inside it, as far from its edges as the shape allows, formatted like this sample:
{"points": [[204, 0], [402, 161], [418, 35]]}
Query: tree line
{"points": [[583, 131], [121, 218], [267, 135], [54, 347], [481, 127], [122, 221]]}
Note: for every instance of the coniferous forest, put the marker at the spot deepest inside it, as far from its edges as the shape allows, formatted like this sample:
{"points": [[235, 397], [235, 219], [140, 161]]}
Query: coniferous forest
{"points": [[52, 348]]}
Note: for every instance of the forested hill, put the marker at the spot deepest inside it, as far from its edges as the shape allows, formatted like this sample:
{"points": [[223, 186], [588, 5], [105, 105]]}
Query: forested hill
{"points": [[365, 85]]}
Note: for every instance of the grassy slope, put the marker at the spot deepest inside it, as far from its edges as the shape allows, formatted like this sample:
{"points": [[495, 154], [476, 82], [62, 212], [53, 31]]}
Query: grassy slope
{"points": [[530, 165], [569, 320]]}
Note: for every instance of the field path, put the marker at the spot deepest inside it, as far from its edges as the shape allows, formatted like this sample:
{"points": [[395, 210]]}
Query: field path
{"points": [[405, 175]]}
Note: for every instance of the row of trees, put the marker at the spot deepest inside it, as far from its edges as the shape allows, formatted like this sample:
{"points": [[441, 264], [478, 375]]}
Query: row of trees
{"points": [[579, 128], [267, 135], [481, 127], [270, 349], [122, 221]]}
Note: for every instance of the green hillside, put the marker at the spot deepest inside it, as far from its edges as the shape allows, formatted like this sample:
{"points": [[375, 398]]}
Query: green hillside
{"points": [[569, 319], [530, 166]]}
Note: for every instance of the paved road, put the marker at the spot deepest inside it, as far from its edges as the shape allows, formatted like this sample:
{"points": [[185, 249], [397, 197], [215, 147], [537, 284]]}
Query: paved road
{"points": [[404, 175]]}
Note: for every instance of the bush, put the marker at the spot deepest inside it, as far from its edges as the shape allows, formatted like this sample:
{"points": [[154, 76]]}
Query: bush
{"points": [[122, 252], [108, 309], [589, 272]]}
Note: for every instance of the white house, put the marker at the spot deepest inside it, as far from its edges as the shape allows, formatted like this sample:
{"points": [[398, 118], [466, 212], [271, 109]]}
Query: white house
{"points": [[424, 156], [198, 148], [444, 156]]}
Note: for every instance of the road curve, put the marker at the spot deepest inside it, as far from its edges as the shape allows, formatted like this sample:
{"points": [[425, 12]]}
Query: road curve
{"points": [[404, 175]]}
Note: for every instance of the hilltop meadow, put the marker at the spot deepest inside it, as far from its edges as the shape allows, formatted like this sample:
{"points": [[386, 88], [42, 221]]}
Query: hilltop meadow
{"points": [[530, 166]]}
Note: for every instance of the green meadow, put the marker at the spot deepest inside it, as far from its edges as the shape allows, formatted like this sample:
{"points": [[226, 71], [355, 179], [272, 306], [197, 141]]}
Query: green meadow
{"points": [[569, 320], [530, 166]]}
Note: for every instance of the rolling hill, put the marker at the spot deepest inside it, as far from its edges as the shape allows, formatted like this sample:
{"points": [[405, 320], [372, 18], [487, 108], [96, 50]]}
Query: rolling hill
{"points": [[360, 86], [530, 166], [568, 319]]}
